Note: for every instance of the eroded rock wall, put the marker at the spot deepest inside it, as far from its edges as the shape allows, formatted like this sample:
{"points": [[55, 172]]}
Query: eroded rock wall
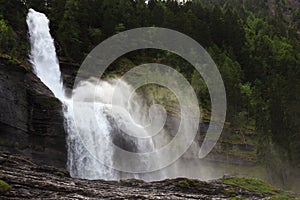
{"points": [[31, 118]]}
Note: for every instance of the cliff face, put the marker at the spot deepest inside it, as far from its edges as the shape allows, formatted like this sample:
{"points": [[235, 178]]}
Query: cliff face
{"points": [[31, 118]]}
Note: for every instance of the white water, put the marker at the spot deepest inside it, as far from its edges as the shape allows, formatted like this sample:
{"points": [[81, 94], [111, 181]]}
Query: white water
{"points": [[43, 55], [93, 130], [91, 138]]}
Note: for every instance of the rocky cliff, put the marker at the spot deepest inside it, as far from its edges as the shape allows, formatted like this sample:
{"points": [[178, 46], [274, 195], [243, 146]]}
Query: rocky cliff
{"points": [[31, 118]]}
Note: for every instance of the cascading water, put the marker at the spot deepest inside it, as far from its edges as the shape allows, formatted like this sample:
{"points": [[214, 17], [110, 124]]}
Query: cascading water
{"points": [[96, 128], [99, 128], [43, 55]]}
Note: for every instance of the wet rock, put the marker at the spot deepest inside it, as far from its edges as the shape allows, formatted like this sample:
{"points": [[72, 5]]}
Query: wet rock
{"points": [[32, 181], [31, 119]]}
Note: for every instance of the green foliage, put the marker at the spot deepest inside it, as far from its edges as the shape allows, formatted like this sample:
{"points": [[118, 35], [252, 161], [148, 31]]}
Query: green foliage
{"points": [[231, 75], [13, 36], [7, 38], [69, 31], [4, 187], [200, 89]]}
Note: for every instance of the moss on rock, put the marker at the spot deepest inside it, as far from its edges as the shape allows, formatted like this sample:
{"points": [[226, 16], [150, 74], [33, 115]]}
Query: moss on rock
{"points": [[4, 187], [251, 184], [189, 183]]}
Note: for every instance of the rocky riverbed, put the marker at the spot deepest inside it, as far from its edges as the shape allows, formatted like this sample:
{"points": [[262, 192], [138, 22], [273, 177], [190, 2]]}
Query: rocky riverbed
{"points": [[27, 180]]}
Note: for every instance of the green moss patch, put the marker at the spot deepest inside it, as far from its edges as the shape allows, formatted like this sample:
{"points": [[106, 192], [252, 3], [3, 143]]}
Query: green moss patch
{"points": [[230, 192], [251, 184], [284, 196], [60, 174], [15, 62], [4, 187], [189, 183]]}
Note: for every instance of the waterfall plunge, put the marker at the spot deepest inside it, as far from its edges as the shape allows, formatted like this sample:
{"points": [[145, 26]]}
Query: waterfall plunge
{"points": [[90, 138]]}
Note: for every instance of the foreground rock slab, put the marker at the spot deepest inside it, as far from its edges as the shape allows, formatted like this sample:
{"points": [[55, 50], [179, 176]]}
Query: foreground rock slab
{"points": [[32, 181]]}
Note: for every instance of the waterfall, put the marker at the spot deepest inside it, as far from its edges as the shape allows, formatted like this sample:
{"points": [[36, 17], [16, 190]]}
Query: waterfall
{"points": [[43, 55], [99, 128], [93, 132]]}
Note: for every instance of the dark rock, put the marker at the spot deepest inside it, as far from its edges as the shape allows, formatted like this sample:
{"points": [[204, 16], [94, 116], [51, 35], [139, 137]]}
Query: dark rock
{"points": [[69, 71], [31, 118], [31, 181]]}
